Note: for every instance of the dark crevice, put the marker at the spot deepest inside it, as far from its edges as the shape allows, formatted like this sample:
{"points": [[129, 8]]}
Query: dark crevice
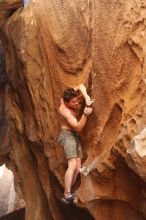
{"points": [[69, 211], [4, 125], [3, 75], [16, 215]]}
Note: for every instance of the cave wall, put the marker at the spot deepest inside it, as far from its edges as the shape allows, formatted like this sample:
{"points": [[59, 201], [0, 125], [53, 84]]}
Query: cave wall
{"points": [[52, 45]]}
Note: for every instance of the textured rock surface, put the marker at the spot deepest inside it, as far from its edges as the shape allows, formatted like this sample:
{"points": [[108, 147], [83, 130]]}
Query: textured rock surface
{"points": [[9, 201], [7, 7], [51, 45]]}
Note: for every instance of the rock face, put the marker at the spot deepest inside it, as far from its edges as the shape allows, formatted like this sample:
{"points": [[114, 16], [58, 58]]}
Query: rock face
{"points": [[52, 45], [7, 8]]}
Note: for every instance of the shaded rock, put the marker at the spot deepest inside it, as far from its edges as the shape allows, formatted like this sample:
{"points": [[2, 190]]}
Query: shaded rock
{"points": [[7, 8], [136, 155], [3, 76], [4, 127], [17, 215]]}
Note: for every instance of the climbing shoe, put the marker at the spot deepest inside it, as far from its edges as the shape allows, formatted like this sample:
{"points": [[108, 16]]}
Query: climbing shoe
{"points": [[68, 198]]}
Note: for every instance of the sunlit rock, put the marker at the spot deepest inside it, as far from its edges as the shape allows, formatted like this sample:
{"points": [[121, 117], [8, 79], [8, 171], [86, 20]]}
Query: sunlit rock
{"points": [[9, 201]]}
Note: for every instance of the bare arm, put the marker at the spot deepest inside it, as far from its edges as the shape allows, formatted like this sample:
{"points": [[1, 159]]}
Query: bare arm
{"points": [[83, 90], [75, 124]]}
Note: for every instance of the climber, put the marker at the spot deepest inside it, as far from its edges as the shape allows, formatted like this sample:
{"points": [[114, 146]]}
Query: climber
{"points": [[69, 135]]}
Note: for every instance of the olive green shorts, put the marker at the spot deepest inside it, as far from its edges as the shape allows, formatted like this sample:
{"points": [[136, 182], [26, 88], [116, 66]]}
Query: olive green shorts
{"points": [[70, 140]]}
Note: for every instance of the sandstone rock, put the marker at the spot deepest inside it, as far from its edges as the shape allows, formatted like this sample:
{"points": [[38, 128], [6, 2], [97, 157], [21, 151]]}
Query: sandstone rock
{"points": [[52, 45], [7, 8]]}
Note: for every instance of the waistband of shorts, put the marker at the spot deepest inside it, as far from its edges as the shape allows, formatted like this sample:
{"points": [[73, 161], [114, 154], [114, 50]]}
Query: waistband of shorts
{"points": [[69, 130]]}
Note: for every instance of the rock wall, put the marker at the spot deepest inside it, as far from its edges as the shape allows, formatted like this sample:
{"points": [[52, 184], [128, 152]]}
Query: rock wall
{"points": [[7, 8], [52, 45]]}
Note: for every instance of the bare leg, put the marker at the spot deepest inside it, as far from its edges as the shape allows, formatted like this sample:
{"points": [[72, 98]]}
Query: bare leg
{"points": [[76, 173], [72, 165]]}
